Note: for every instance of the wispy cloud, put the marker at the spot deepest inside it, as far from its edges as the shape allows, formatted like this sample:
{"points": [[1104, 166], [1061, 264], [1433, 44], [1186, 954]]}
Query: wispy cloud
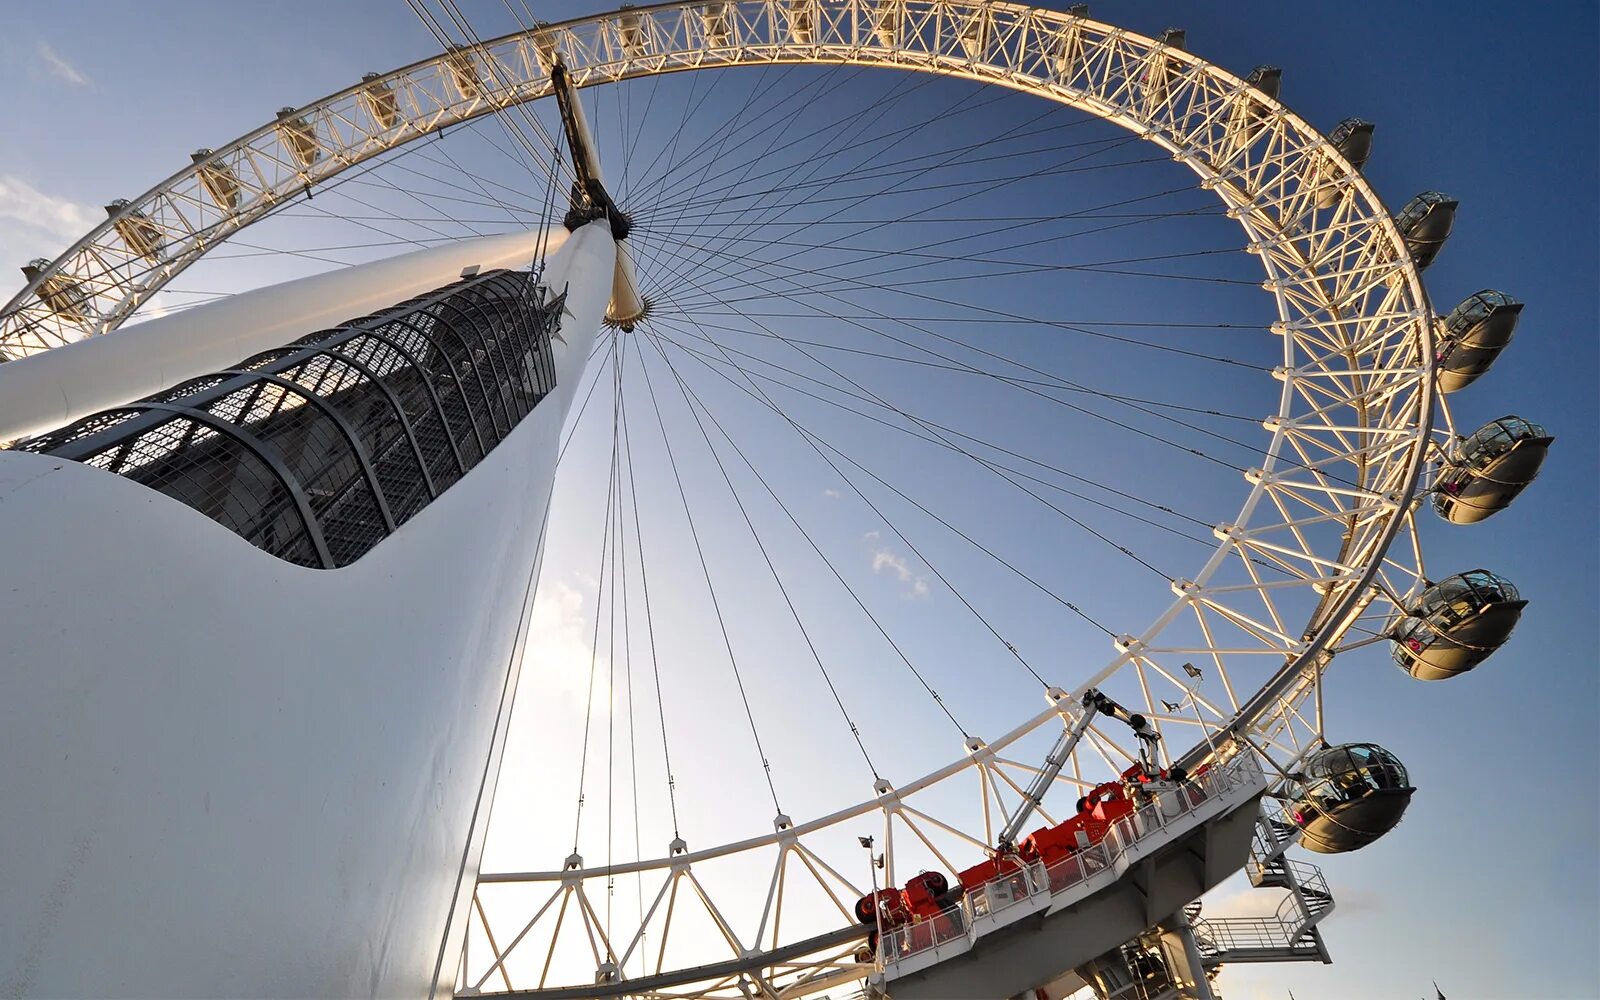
{"points": [[60, 68], [559, 657], [831, 494], [34, 224], [887, 559]]}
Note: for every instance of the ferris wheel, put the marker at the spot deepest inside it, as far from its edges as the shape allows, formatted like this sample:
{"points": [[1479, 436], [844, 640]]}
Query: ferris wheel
{"points": [[1191, 744]]}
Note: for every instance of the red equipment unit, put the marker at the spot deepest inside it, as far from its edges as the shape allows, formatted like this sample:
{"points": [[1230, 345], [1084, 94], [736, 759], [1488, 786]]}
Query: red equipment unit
{"points": [[924, 895]]}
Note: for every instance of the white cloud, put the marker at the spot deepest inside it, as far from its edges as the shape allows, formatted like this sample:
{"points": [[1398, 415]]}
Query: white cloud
{"points": [[559, 654], [883, 559], [34, 224], [831, 494], [60, 68]]}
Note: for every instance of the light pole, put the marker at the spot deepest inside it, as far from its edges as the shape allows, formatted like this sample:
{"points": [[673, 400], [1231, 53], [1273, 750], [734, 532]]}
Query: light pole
{"points": [[877, 910]]}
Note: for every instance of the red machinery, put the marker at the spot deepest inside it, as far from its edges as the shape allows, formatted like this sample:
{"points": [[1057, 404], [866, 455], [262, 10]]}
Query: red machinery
{"points": [[928, 902]]}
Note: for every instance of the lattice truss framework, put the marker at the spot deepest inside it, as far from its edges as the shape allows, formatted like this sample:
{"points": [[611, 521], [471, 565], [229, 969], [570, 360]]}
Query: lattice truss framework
{"points": [[1324, 547]]}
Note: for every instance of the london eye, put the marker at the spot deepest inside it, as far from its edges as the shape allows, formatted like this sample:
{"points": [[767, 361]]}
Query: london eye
{"points": [[982, 430]]}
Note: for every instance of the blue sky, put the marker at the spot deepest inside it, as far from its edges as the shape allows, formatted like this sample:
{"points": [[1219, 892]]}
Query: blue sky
{"points": [[1491, 886]]}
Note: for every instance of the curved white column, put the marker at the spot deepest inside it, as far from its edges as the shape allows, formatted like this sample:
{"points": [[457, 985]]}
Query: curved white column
{"points": [[44, 391], [230, 776]]}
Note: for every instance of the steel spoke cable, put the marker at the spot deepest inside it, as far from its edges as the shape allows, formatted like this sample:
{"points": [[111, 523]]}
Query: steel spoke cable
{"points": [[594, 645], [701, 175], [705, 569], [669, 194], [1061, 402], [988, 185], [1017, 654], [689, 401], [815, 547], [849, 131], [1053, 382], [627, 657], [1006, 472], [901, 428], [899, 186], [650, 629], [1121, 548], [988, 313], [1075, 609], [932, 208], [890, 136]]}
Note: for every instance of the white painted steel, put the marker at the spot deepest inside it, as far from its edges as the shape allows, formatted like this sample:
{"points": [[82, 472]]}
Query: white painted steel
{"points": [[230, 776], [46, 390], [1357, 391]]}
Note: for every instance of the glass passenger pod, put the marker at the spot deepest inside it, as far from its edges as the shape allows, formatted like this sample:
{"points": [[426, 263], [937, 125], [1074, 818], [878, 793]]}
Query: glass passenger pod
{"points": [[1249, 114], [1069, 50], [1455, 624], [1489, 469], [544, 43], [1160, 69], [63, 294], [1352, 140], [1473, 335], [886, 23], [138, 233], [299, 137], [714, 24], [975, 36], [463, 73], [802, 21], [630, 32], [1348, 796], [1425, 223], [219, 180], [1267, 79], [379, 100]]}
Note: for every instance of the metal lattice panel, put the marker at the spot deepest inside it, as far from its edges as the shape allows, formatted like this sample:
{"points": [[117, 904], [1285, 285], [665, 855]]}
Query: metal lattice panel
{"points": [[317, 451]]}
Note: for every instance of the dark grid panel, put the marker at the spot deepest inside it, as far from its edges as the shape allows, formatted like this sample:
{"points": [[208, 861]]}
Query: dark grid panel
{"points": [[379, 429], [219, 476], [467, 346], [501, 309], [423, 411], [315, 450], [441, 376]]}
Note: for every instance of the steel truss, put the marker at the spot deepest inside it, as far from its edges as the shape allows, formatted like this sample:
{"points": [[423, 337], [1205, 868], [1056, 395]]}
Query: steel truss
{"points": [[1324, 545]]}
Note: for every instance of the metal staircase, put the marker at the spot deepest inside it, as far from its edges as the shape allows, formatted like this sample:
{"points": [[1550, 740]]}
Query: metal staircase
{"points": [[1290, 934]]}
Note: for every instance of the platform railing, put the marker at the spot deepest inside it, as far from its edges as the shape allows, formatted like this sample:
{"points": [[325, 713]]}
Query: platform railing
{"points": [[1032, 882]]}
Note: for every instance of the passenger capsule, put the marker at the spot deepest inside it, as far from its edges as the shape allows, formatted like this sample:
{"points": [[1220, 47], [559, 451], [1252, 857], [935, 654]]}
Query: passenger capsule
{"points": [[1267, 79], [1348, 796], [1425, 222], [1160, 69], [138, 233], [1248, 114], [630, 31], [62, 293], [380, 101], [1473, 335], [975, 36], [1352, 139], [1455, 624], [1069, 50], [463, 73], [714, 24], [1489, 469], [802, 22], [298, 136], [544, 43], [886, 23], [217, 178]]}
